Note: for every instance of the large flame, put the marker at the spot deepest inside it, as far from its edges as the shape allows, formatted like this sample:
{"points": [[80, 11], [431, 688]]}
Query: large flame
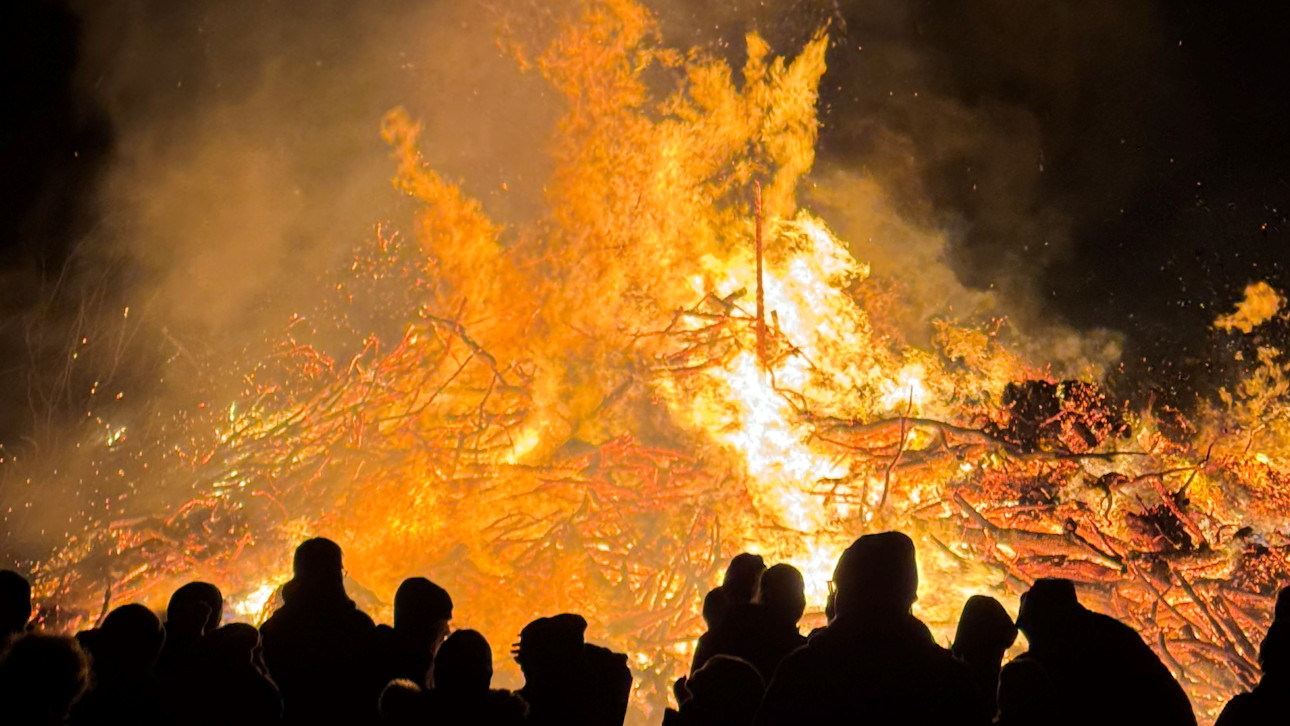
{"points": [[577, 414]]}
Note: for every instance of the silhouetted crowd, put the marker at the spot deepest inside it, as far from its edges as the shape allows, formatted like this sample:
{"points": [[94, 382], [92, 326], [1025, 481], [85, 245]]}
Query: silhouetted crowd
{"points": [[320, 660]]}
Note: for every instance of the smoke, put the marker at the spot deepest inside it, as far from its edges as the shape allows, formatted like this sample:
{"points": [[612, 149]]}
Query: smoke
{"points": [[237, 162], [249, 159], [964, 147], [983, 146]]}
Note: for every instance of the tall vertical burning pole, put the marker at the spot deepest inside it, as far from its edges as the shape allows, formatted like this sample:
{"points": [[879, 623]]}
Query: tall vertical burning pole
{"points": [[761, 297]]}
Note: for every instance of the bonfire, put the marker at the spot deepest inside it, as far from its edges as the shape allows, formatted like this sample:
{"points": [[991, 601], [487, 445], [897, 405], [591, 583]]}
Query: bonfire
{"points": [[677, 363]]}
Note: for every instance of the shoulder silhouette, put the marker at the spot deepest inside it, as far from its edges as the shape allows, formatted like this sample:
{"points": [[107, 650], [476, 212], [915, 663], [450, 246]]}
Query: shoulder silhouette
{"points": [[875, 663], [1082, 651], [317, 646]]}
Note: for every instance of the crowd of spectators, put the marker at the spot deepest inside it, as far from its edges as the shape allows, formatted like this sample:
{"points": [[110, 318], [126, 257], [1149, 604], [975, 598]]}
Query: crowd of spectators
{"points": [[320, 660]]}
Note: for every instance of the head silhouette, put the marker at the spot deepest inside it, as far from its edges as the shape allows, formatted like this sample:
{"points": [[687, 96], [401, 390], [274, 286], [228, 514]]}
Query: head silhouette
{"points": [[233, 645], [400, 702], [464, 663], [1046, 608], [876, 577], [783, 593], [317, 572], [1024, 691], [194, 609], [40, 677], [726, 691], [984, 628], [128, 641], [740, 583], [421, 606], [550, 647], [714, 607], [15, 603], [318, 559], [1282, 611]]}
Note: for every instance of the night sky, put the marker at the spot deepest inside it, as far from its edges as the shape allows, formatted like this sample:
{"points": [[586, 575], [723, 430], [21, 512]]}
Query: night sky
{"points": [[1120, 164]]}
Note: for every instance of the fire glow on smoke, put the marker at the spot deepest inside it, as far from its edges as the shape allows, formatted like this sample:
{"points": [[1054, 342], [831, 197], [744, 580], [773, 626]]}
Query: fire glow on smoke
{"points": [[573, 416]]}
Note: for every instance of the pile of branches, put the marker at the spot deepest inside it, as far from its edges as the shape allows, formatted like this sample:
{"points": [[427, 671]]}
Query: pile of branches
{"points": [[1004, 494], [406, 449]]}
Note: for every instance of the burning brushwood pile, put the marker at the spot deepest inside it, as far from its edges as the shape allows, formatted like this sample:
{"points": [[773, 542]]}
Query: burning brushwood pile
{"points": [[596, 412]]}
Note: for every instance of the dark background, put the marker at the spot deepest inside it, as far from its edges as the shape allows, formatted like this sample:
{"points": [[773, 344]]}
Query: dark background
{"points": [[1117, 165]]}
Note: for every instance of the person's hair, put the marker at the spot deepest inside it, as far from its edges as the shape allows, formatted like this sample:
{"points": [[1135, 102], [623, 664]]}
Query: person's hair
{"points": [[44, 671], [1047, 602], [783, 592], [196, 606], [318, 559], [740, 582], [399, 700], [726, 688], [129, 640], [233, 644], [714, 607], [464, 663], [1023, 687], [420, 600]]}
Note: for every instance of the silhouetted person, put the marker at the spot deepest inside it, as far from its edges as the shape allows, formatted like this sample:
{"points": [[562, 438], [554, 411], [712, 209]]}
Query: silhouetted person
{"points": [[1282, 612], [317, 646], [732, 617], [742, 577], [403, 703], [1269, 702], [783, 602], [714, 607], [984, 634], [462, 696], [1083, 651], [1025, 695], [123, 651], [422, 610], [194, 609], [236, 687], [762, 633], [41, 676], [875, 663], [567, 681], [726, 691], [15, 606]]}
